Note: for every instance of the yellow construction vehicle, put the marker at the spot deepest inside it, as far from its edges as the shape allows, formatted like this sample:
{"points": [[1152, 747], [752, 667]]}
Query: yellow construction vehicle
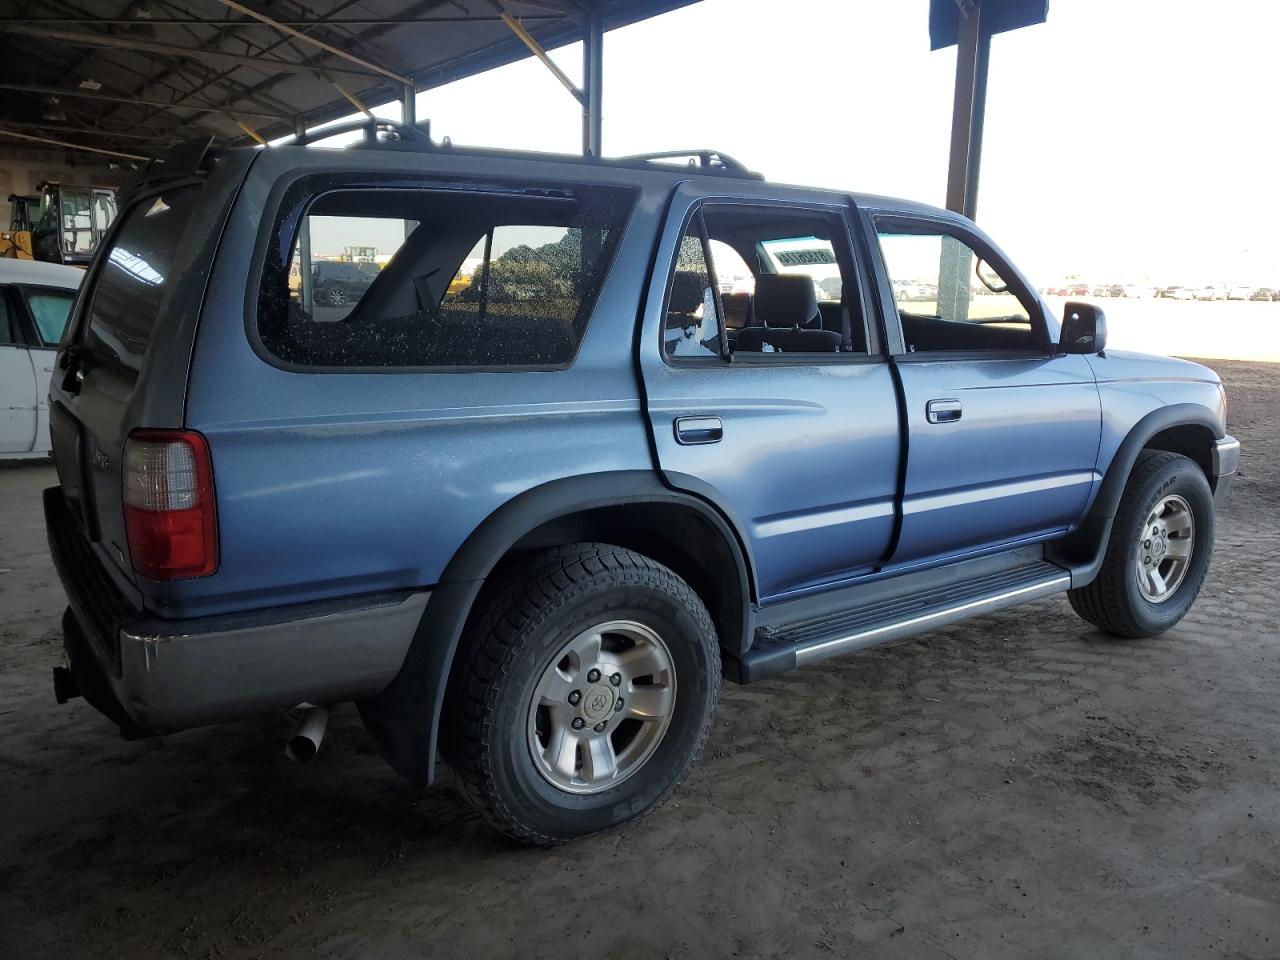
{"points": [[15, 243]]}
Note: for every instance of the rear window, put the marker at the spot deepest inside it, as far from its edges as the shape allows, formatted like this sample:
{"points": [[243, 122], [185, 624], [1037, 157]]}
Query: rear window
{"points": [[133, 273], [436, 277]]}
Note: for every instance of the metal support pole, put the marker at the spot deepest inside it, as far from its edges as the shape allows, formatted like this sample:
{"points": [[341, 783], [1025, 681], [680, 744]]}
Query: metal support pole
{"points": [[592, 82], [969, 109], [408, 105], [299, 127]]}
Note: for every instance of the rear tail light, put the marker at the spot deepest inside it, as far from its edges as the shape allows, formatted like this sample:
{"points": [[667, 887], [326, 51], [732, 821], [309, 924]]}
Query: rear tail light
{"points": [[168, 504]]}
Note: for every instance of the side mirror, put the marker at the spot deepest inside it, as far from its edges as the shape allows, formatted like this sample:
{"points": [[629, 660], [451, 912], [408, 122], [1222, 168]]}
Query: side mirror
{"points": [[1084, 328], [989, 278]]}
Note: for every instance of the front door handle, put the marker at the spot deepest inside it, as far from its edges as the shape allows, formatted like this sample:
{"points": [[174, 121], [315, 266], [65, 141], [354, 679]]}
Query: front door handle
{"points": [[692, 430], [943, 411]]}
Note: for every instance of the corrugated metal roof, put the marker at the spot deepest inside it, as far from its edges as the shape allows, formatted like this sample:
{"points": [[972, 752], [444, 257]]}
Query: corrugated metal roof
{"points": [[136, 77]]}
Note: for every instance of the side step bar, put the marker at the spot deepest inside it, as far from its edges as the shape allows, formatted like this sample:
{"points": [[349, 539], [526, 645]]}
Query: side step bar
{"points": [[778, 649]]}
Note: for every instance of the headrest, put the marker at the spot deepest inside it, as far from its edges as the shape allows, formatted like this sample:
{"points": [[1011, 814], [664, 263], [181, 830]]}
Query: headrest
{"points": [[785, 300], [686, 292]]}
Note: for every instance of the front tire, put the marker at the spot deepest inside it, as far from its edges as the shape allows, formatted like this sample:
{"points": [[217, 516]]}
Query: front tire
{"points": [[583, 693], [1158, 552]]}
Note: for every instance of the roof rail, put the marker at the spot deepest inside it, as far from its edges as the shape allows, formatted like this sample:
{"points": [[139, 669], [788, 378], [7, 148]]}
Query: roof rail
{"points": [[709, 161], [371, 126]]}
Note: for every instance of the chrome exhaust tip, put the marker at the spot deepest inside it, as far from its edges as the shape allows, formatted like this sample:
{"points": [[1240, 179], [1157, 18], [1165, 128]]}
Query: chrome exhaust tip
{"points": [[304, 743]]}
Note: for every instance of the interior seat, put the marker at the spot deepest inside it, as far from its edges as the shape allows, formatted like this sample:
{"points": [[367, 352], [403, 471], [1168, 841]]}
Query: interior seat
{"points": [[786, 318]]}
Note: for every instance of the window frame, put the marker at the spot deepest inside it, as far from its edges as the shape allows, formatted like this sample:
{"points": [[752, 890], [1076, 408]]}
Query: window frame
{"points": [[10, 302], [853, 271], [292, 197], [877, 220]]}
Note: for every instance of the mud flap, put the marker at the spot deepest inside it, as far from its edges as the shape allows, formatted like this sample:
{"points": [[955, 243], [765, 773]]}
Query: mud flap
{"points": [[404, 719]]}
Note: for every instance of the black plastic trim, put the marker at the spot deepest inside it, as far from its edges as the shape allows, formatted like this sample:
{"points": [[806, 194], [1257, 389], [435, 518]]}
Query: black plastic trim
{"points": [[1084, 549], [405, 717]]}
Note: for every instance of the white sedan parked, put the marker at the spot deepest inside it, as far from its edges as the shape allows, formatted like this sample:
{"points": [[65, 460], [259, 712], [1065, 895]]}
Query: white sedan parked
{"points": [[35, 299]]}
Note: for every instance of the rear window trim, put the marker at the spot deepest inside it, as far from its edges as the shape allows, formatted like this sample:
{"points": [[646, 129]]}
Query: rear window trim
{"points": [[277, 211]]}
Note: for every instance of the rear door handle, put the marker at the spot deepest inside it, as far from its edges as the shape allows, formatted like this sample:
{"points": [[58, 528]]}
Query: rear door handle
{"points": [[943, 411], [693, 430]]}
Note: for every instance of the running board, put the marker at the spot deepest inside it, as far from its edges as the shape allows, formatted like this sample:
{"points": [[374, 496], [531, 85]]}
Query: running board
{"points": [[779, 648]]}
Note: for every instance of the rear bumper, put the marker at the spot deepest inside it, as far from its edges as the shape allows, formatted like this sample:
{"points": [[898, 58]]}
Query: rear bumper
{"points": [[1226, 458], [153, 675]]}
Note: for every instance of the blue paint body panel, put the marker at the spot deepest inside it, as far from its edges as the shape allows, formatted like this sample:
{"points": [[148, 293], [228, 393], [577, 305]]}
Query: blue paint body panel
{"points": [[1020, 463]]}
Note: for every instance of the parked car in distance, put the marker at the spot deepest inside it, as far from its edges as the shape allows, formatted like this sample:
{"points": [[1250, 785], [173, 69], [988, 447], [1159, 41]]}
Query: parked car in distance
{"points": [[1137, 290], [340, 283], [1177, 293], [1264, 293], [35, 299], [1210, 292], [530, 527], [1239, 292]]}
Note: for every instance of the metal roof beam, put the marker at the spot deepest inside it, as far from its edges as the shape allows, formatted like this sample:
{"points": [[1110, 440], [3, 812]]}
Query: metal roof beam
{"points": [[117, 98], [250, 93], [50, 126], [70, 146], [374, 31], [536, 49], [265, 64], [315, 42], [286, 21]]}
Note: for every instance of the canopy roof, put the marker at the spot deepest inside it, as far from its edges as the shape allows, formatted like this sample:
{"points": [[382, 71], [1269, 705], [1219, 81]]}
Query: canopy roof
{"points": [[134, 77]]}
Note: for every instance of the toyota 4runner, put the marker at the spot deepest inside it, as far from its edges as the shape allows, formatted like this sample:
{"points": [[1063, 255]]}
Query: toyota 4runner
{"points": [[528, 495]]}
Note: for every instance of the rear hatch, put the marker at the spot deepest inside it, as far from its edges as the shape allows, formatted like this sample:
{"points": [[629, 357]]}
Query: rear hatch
{"points": [[124, 362], [102, 363]]}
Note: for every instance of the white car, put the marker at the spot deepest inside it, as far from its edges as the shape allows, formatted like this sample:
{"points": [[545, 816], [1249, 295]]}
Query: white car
{"points": [[35, 300]]}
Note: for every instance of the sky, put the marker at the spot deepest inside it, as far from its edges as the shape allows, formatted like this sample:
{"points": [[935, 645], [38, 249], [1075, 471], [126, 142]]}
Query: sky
{"points": [[1124, 140]]}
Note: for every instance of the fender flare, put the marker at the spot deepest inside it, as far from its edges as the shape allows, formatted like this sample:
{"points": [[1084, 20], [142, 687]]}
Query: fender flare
{"points": [[404, 718], [1083, 551]]}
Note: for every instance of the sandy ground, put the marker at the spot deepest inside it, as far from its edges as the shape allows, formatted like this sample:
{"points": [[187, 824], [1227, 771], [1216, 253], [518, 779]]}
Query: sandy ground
{"points": [[1015, 787]]}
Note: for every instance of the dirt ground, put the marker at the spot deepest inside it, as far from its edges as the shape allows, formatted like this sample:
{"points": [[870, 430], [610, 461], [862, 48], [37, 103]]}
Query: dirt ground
{"points": [[1015, 787]]}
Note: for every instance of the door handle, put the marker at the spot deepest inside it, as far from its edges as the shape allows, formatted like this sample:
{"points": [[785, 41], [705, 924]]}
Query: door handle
{"points": [[693, 430], [943, 411]]}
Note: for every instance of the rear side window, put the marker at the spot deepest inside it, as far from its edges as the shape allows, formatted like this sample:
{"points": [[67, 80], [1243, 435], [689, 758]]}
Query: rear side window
{"points": [[133, 273], [49, 309], [422, 277]]}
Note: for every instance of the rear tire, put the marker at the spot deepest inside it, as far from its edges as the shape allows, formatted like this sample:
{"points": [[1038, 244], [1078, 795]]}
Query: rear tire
{"points": [[1158, 552], [587, 634]]}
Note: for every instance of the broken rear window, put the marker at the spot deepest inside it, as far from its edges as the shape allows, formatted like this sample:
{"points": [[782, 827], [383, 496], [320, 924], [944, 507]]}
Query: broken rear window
{"points": [[436, 277]]}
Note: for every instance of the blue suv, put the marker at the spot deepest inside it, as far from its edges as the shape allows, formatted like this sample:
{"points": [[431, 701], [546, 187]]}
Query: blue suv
{"points": [[597, 434]]}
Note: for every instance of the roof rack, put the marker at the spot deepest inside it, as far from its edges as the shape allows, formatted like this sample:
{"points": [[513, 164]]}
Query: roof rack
{"points": [[371, 127], [390, 134], [708, 161]]}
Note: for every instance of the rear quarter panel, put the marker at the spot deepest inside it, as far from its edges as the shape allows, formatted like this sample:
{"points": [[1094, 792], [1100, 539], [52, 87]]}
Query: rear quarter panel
{"points": [[331, 484]]}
